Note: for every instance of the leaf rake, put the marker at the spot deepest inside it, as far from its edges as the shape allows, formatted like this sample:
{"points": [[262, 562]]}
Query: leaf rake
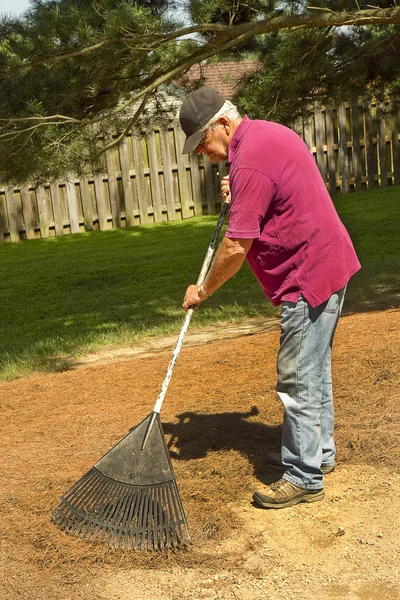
{"points": [[130, 499]]}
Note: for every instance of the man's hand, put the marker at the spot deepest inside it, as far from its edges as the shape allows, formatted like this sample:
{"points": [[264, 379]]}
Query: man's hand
{"points": [[225, 186], [193, 298]]}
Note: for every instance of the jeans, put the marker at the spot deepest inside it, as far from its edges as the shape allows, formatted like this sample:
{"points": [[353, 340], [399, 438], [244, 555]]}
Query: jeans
{"points": [[305, 388]]}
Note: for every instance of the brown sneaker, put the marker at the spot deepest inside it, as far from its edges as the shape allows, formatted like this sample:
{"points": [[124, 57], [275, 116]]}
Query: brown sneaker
{"points": [[283, 493], [274, 462]]}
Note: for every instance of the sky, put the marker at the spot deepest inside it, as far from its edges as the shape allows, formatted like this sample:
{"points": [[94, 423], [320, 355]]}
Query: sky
{"points": [[13, 7]]}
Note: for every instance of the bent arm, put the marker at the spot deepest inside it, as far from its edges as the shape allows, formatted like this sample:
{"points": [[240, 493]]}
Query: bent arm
{"points": [[228, 260]]}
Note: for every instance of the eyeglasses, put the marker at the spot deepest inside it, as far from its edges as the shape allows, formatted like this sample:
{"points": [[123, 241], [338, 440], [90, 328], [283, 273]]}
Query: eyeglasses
{"points": [[203, 139]]}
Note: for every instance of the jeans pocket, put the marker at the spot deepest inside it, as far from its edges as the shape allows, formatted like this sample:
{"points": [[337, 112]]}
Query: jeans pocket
{"points": [[332, 305]]}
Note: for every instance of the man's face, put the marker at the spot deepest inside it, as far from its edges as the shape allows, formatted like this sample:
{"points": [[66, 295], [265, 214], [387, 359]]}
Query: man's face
{"points": [[215, 143]]}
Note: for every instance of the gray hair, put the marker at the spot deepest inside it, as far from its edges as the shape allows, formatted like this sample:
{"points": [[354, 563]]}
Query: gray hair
{"points": [[227, 110]]}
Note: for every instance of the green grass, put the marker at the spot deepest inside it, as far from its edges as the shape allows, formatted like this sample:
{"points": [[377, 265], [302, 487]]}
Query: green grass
{"points": [[61, 297], [373, 220]]}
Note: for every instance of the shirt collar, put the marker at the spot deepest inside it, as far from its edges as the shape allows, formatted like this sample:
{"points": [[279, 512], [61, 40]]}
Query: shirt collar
{"points": [[237, 136]]}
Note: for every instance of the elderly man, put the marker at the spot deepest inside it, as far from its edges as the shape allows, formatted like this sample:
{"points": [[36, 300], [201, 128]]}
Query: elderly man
{"points": [[283, 222]]}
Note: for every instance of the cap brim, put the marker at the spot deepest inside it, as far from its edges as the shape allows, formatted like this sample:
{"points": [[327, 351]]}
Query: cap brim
{"points": [[192, 142]]}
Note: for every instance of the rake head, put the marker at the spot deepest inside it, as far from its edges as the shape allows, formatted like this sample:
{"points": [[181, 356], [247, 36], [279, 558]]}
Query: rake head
{"points": [[129, 499]]}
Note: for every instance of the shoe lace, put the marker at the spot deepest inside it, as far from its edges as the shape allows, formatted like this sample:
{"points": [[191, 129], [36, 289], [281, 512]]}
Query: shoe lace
{"points": [[278, 484]]}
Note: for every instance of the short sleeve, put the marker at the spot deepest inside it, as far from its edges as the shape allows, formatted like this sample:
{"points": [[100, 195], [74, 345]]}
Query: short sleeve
{"points": [[252, 192]]}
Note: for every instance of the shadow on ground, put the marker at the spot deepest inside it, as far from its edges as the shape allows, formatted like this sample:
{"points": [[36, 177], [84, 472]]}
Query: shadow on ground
{"points": [[196, 435]]}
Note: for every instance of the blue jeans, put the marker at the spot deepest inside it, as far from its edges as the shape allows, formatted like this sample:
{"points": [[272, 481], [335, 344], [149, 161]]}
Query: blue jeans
{"points": [[305, 388]]}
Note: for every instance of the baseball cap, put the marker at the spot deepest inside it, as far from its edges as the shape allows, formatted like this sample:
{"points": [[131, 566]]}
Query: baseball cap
{"points": [[196, 110]]}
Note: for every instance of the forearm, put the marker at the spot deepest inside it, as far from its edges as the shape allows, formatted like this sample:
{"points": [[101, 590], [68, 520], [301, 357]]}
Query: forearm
{"points": [[229, 259]]}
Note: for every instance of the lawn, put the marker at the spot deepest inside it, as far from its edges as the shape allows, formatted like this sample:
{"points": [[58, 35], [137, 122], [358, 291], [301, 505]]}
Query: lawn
{"points": [[65, 296]]}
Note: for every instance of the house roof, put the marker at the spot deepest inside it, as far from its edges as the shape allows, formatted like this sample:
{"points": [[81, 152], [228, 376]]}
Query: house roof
{"points": [[224, 76]]}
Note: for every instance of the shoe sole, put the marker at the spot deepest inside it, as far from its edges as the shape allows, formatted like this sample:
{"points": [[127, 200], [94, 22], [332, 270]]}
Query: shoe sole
{"points": [[306, 499]]}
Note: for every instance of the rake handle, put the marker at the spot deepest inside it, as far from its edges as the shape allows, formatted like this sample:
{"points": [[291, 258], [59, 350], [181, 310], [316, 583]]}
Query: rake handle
{"points": [[186, 322]]}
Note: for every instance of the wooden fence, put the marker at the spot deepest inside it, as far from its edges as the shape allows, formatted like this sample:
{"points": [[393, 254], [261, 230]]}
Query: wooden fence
{"points": [[149, 180]]}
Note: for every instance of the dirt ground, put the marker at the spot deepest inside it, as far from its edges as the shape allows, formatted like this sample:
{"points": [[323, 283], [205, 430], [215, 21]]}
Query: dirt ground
{"points": [[220, 417]]}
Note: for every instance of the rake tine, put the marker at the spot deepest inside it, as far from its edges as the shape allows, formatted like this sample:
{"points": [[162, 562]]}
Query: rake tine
{"points": [[84, 528], [145, 519], [153, 520], [65, 512], [107, 514], [172, 516], [178, 520], [139, 520], [161, 527], [99, 490], [122, 516], [119, 521], [167, 524], [130, 530], [81, 497], [125, 531], [97, 516]]}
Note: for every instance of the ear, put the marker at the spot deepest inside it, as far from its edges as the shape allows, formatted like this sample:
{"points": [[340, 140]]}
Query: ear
{"points": [[226, 123]]}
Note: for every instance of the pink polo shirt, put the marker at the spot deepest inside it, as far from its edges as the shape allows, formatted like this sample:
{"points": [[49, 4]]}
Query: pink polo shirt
{"points": [[280, 200]]}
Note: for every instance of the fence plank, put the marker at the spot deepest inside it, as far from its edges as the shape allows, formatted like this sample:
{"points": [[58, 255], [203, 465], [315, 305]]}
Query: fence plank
{"points": [[168, 177], [3, 224], [87, 205], [209, 183], [369, 147], [102, 211], [356, 144], [182, 177], [43, 212], [154, 178], [127, 185], [12, 215], [72, 206], [319, 141], [140, 181], [28, 212], [57, 212], [113, 189], [196, 185], [308, 133], [330, 142], [343, 153], [395, 141], [382, 148]]}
